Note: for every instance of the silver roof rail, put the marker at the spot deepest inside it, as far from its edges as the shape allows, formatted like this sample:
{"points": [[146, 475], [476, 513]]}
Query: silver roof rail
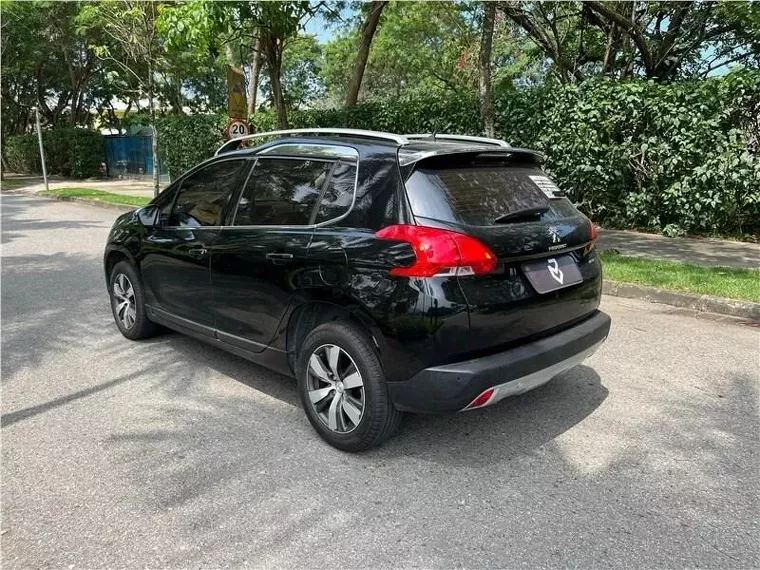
{"points": [[465, 138], [398, 139]]}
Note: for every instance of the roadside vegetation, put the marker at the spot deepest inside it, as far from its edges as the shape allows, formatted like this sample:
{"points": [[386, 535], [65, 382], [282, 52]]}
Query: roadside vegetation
{"points": [[91, 195], [743, 284]]}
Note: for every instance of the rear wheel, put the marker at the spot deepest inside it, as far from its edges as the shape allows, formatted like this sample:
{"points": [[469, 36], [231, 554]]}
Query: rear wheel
{"points": [[342, 388], [128, 302]]}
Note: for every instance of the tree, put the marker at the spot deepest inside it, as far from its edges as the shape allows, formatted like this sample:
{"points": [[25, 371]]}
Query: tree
{"points": [[660, 40], [130, 35], [374, 11], [253, 89], [267, 26], [420, 47], [302, 84], [484, 68], [46, 64]]}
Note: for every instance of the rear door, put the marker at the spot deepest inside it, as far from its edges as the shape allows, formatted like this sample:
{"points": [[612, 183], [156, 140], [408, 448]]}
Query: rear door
{"points": [[175, 265], [547, 274], [260, 259]]}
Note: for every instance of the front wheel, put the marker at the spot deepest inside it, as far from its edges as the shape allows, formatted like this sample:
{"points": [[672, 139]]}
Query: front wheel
{"points": [[128, 302], [342, 388]]}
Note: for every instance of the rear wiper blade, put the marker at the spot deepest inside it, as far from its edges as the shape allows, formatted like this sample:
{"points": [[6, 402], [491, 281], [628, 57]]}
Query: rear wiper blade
{"points": [[519, 214]]}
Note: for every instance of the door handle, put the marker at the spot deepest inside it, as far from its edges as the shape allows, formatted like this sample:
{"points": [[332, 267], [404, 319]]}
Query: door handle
{"points": [[279, 256], [198, 251]]}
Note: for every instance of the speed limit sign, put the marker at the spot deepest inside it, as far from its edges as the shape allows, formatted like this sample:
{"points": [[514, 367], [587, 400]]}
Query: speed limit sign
{"points": [[237, 128]]}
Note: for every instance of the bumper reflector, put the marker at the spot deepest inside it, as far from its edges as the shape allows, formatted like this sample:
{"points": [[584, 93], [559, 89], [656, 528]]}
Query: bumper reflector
{"points": [[482, 400]]}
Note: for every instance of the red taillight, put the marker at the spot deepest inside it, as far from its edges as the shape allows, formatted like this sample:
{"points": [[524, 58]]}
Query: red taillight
{"points": [[440, 252], [481, 400], [594, 231]]}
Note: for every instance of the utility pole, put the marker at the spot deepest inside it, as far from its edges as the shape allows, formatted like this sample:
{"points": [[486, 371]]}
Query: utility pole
{"points": [[42, 150]]}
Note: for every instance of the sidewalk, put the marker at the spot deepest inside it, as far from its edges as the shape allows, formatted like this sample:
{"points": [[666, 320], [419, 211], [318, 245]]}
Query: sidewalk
{"points": [[34, 184], [709, 252]]}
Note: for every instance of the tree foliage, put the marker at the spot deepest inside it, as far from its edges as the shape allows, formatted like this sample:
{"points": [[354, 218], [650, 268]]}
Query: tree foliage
{"points": [[302, 84], [57, 74], [659, 39]]}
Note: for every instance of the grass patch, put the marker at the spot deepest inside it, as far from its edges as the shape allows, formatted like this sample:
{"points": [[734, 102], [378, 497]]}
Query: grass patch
{"points": [[718, 281], [98, 196]]}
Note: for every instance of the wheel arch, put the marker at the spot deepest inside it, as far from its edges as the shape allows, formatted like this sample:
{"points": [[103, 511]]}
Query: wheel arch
{"points": [[113, 256], [310, 314]]}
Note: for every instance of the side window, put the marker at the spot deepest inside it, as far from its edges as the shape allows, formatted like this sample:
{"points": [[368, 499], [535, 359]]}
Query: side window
{"points": [[339, 193], [281, 192], [204, 195]]}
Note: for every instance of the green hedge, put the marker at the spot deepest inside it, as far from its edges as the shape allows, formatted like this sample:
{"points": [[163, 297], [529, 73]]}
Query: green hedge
{"points": [[675, 158], [184, 141], [75, 153]]}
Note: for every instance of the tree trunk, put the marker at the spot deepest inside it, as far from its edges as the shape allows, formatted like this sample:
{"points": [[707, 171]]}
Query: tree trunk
{"points": [[274, 65], [368, 32], [229, 55], [484, 69], [255, 73]]}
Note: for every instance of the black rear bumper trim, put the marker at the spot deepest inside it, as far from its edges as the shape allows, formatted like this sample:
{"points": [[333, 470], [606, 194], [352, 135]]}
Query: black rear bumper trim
{"points": [[452, 387]]}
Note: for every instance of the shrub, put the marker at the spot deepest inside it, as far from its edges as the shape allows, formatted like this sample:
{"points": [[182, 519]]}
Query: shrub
{"points": [[23, 154], [71, 152], [679, 157], [184, 141]]}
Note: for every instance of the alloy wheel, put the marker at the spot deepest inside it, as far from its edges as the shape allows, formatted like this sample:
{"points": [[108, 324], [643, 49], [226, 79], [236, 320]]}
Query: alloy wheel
{"points": [[124, 301], [335, 388]]}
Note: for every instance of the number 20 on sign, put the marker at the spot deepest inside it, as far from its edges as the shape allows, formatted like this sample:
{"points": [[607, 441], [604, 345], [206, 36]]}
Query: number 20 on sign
{"points": [[237, 129]]}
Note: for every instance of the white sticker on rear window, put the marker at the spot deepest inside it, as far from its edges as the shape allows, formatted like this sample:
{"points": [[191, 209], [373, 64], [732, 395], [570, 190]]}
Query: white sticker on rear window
{"points": [[547, 186]]}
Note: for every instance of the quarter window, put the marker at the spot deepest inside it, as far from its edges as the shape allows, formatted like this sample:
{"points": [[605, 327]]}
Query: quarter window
{"points": [[204, 195], [339, 193], [282, 192]]}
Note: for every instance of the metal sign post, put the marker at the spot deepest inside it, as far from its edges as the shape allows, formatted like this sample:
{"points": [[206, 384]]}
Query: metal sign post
{"points": [[42, 150]]}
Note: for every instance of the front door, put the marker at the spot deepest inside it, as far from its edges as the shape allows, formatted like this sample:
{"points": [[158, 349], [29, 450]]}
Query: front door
{"points": [[175, 264]]}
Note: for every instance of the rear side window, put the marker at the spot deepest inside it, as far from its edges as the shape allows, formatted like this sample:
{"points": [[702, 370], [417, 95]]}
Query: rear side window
{"points": [[339, 193], [479, 195], [204, 195], [282, 192]]}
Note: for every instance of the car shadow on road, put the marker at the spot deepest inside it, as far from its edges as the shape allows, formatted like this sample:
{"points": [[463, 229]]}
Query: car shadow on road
{"points": [[515, 426]]}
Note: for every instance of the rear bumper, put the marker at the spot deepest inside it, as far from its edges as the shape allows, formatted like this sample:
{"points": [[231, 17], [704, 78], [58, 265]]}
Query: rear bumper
{"points": [[453, 387]]}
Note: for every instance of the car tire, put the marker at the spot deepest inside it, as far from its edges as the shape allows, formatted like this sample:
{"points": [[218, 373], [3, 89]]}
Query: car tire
{"points": [[354, 416], [128, 302]]}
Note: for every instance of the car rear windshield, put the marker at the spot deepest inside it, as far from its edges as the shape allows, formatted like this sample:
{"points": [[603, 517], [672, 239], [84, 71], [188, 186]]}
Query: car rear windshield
{"points": [[484, 194]]}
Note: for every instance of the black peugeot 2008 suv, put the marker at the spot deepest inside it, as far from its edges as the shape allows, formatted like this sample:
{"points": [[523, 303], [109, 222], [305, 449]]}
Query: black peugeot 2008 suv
{"points": [[387, 273]]}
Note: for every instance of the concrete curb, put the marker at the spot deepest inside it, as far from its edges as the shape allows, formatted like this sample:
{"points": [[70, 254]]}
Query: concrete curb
{"points": [[83, 200], [707, 303]]}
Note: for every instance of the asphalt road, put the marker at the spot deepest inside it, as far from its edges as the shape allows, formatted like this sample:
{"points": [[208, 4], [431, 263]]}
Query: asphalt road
{"points": [[169, 453]]}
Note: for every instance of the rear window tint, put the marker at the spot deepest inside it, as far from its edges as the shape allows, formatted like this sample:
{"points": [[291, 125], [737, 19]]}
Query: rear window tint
{"points": [[478, 195]]}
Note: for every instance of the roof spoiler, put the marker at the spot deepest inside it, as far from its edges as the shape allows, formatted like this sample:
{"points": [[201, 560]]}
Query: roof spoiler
{"points": [[458, 138]]}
